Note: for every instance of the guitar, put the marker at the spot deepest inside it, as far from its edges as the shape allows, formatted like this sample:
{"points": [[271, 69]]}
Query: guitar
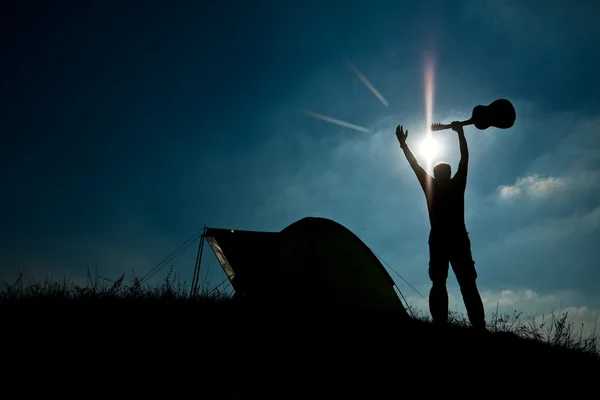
{"points": [[498, 114]]}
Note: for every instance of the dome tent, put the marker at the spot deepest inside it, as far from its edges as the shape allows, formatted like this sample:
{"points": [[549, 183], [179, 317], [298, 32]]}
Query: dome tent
{"points": [[313, 261]]}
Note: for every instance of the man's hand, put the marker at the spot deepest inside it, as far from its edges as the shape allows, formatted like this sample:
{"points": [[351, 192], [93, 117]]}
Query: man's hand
{"points": [[401, 135], [457, 127]]}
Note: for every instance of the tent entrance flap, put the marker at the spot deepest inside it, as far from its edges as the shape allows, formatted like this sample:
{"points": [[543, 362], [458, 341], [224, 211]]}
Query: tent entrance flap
{"points": [[244, 256], [216, 247]]}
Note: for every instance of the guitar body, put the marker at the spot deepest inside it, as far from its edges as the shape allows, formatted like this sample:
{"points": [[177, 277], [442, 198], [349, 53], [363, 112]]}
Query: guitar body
{"points": [[498, 114]]}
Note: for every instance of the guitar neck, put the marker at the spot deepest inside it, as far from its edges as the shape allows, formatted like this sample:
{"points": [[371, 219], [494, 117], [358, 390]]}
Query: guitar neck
{"points": [[439, 127]]}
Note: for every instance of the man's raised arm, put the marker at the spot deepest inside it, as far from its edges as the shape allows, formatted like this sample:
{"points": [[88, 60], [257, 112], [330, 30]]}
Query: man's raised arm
{"points": [[463, 164], [422, 176]]}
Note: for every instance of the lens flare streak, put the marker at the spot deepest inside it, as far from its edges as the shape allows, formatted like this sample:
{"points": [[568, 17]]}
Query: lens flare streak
{"points": [[336, 121], [429, 101], [368, 84]]}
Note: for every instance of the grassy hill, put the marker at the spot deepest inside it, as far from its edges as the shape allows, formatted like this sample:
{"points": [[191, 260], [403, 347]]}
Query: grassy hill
{"points": [[146, 338]]}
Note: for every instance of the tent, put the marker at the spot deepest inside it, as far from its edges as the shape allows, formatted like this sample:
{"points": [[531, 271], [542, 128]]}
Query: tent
{"points": [[313, 261]]}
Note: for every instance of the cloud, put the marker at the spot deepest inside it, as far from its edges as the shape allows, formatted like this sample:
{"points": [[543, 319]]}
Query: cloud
{"points": [[534, 186], [567, 146], [556, 195], [552, 231], [560, 178]]}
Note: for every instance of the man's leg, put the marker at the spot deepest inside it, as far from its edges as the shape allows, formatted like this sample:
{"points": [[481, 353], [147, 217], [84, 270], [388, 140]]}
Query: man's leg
{"points": [[438, 273], [466, 275]]}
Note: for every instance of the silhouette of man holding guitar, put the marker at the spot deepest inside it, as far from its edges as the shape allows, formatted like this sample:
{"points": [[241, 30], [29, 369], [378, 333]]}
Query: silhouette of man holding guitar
{"points": [[449, 241]]}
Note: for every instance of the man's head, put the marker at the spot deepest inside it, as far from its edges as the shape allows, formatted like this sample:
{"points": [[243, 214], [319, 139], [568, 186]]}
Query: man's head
{"points": [[442, 171]]}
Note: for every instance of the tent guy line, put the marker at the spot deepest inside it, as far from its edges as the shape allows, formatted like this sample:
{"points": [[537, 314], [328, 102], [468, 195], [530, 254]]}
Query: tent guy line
{"points": [[182, 247], [396, 272]]}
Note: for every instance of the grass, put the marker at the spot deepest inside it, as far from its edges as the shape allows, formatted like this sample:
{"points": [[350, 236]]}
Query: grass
{"points": [[559, 330], [224, 331], [101, 289]]}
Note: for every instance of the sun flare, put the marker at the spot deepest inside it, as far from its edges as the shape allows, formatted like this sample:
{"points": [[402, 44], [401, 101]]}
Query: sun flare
{"points": [[429, 148]]}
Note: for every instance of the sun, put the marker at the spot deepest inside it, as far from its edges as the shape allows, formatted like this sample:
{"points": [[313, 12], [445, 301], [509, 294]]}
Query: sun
{"points": [[429, 148]]}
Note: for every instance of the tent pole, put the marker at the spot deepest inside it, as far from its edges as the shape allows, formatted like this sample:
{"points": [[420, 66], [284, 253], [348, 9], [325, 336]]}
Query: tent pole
{"points": [[196, 276]]}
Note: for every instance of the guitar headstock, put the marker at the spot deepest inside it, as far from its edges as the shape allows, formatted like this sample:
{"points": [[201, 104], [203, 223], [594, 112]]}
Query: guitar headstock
{"points": [[438, 127]]}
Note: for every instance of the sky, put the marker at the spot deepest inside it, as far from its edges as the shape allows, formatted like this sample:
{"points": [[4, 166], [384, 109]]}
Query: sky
{"points": [[126, 130]]}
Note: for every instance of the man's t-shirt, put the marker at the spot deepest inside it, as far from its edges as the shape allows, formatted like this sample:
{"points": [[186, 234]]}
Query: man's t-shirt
{"points": [[446, 205], [446, 201]]}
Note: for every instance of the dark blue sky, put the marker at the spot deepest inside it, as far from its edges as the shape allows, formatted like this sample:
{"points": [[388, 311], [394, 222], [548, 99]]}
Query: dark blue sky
{"points": [[126, 129]]}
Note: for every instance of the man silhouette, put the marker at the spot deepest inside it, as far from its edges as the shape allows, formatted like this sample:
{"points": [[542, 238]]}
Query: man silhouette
{"points": [[449, 242]]}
